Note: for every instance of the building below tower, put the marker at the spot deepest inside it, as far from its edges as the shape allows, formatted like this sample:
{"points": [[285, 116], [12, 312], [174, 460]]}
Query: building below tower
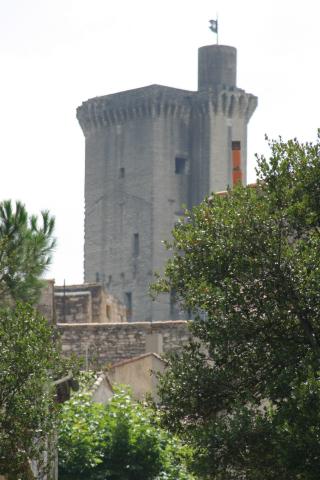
{"points": [[150, 152]]}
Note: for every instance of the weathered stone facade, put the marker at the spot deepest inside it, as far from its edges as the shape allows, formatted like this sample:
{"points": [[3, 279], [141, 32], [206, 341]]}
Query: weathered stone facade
{"points": [[80, 315], [101, 345], [149, 151], [87, 303]]}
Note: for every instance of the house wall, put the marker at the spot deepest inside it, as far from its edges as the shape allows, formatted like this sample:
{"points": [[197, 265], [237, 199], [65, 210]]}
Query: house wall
{"points": [[102, 390], [139, 373]]}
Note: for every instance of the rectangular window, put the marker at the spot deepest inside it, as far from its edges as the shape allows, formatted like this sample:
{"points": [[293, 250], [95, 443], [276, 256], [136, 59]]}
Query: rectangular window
{"points": [[136, 244], [180, 166], [121, 172]]}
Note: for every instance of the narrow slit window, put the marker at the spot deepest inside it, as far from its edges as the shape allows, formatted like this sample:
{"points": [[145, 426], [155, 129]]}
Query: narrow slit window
{"points": [[128, 304], [136, 244], [122, 172], [180, 166]]}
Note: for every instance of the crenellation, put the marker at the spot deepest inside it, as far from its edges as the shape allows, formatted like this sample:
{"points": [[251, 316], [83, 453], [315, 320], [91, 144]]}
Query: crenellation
{"points": [[230, 103], [108, 111], [252, 105]]}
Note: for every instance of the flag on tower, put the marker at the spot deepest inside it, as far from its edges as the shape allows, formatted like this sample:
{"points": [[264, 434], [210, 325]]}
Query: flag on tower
{"points": [[213, 26]]}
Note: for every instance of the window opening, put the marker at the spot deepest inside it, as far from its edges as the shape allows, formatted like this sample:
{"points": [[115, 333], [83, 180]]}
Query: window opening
{"points": [[121, 172], [180, 165], [136, 244], [236, 163], [128, 304]]}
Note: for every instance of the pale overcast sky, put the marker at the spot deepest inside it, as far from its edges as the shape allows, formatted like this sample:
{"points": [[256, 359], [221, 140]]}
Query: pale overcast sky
{"points": [[57, 53]]}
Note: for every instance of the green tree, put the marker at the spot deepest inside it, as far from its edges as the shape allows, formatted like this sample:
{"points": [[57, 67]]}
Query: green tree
{"points": [[247, 393], [25, 252], [29, 362], [120, 441]]}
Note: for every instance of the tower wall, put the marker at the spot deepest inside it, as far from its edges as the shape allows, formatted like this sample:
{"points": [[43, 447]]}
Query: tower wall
{"points": [[149, 153], [170, 190], [133, 193], [122, 208], [217, 65]]}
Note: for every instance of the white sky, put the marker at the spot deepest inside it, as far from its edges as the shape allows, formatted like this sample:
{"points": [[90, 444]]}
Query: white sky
{"points": [[57, 53]]}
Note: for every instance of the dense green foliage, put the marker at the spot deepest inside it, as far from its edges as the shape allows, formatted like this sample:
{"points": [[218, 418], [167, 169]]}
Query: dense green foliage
{"points": [[25, 248], [29, 356], [120, 441], [29, 362], [248, 265]]}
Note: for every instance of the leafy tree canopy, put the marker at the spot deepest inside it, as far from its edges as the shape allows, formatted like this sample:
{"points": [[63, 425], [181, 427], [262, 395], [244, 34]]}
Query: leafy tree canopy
{"points": [[29, 363], [120, 441], [247, 263], [25, 252]]}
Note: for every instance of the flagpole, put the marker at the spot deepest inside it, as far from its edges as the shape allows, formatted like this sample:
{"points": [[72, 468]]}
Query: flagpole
{"points": [[217, 30]]}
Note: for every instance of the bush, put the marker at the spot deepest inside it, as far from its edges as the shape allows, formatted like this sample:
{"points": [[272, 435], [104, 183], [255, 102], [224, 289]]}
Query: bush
{"points": [[122, 440]]}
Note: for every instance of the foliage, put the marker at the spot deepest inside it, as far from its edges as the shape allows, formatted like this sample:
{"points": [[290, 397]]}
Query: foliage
{"points": [[25, 248], [29, 362], [247, 263], [122, 440]]}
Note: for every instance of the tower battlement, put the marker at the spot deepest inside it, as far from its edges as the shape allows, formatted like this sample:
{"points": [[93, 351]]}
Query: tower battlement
{"points": [[149, 151], [228, 102], [119, 108]]}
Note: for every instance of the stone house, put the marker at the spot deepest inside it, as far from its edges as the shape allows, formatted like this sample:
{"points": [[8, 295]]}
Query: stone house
{"points": [[85, 303], [139, 373]]}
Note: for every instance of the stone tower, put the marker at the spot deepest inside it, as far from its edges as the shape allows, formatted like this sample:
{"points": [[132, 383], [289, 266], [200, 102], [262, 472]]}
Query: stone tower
{"points": [[149, 151]]}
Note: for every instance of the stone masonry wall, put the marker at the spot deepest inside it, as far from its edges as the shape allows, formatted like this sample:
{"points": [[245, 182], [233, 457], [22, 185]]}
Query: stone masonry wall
{"points": [[73, 307], [87, 303], [103, 344]]}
